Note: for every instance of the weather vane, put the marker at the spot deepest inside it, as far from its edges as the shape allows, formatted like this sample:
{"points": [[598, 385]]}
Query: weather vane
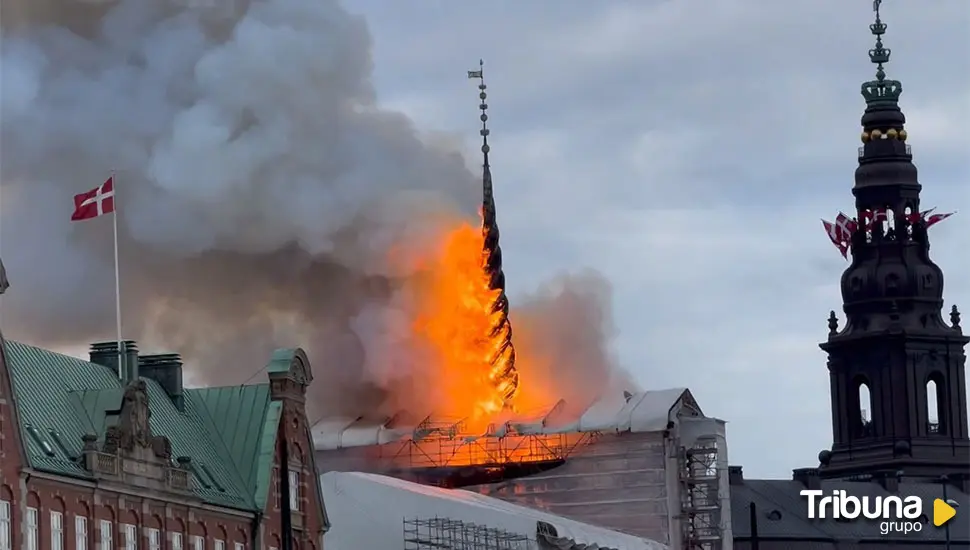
{"points": [[875, 6]]}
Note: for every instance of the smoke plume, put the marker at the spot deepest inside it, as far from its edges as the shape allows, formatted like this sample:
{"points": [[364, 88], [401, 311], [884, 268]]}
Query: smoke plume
{"points": [[260, 186]]}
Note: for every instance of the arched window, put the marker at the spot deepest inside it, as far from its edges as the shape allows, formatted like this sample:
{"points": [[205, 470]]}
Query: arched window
{"points": [[935, 404], [864, 420], [889, 221], [911, 217]]}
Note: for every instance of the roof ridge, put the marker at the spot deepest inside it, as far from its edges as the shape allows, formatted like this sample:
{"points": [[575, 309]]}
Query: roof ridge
{"points": [[230, 387]]}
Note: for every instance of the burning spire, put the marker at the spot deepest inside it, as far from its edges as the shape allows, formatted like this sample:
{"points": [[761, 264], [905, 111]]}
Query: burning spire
{"points": [[502, 356]]}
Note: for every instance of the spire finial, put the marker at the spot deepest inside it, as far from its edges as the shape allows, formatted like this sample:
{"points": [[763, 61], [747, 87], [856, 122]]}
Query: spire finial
{"points": [[480, 75], [880, 89], [833, 324]]}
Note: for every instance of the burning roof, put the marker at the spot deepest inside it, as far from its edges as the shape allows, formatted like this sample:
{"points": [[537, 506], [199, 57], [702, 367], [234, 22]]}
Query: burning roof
{"points": [[640, 412]]}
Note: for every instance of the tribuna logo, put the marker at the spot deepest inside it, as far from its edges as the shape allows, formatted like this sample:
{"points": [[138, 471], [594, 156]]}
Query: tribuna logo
{"points": [[895, 514]]}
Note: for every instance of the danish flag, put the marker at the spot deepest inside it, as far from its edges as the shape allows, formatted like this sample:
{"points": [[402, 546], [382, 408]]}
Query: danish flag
{"points": [[836, 236], [96, 202], [840, 232], [846, 224]]}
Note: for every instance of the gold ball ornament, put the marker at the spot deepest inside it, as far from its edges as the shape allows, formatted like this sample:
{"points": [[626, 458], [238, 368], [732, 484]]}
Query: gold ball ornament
{"points": [[892, 133], [876, 134], [865, 137], [903, 135]]}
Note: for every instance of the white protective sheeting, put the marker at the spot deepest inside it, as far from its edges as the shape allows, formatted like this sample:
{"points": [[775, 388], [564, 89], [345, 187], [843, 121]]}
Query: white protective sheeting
{"points": [[342, 433], [368, 511], [640, 412]]}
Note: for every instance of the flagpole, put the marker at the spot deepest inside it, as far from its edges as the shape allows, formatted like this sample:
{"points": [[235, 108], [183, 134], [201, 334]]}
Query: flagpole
{"points": [[114, 222]]}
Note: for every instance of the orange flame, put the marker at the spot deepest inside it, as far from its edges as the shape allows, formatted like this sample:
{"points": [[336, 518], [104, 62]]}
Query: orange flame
{"points": [[452, 317], [455, 317]]}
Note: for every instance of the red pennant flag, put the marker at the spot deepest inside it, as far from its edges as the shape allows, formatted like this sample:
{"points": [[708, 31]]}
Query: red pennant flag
{"points": [[96, 202], [934, 219]]}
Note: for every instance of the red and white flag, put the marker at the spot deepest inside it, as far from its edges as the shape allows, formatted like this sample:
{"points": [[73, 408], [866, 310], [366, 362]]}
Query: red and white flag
{"points": [[94, 203], [837, 237], [933, 219], [847, 225]]}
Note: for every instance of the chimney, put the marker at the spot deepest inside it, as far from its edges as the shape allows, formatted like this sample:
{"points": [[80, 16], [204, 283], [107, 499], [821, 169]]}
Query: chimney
{"points": [[166, 369], [808, 477], [735, 475], [106, 354]]}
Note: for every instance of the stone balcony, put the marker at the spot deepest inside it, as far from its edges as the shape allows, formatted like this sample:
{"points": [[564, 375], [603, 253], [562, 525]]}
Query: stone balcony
{"points": [[142, 470]]}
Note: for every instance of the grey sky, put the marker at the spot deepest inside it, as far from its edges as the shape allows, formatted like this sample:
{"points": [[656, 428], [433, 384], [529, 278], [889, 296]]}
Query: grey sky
{"points": [[687, 150]]}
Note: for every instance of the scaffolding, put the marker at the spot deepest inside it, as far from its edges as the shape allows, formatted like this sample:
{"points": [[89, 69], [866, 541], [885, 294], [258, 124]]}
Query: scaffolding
{"points": [[438, 442], [450, 534], [700, 495]]}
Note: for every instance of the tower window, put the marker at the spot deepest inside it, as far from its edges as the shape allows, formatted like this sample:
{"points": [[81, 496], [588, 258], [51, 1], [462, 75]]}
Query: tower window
{"points": [[864, 421], [888, 224], [935, 404]]}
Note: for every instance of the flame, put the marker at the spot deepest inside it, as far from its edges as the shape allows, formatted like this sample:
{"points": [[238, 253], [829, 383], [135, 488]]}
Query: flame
{"points": [[468, 333], [473, 380]]}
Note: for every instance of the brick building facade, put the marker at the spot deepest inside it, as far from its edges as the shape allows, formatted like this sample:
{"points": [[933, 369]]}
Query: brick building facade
{"points": [[93, 456]]}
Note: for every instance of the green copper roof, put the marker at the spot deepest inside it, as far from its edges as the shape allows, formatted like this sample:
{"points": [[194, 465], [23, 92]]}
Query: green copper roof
{"points": [[247, 422], [229, 433]]}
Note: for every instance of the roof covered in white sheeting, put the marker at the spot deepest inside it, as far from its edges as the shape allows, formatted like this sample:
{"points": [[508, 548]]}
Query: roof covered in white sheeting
{"points": [[369, 511], [640, 412]]}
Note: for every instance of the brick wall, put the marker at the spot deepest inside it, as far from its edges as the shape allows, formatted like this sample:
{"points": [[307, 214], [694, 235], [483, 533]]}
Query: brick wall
{"points": [[308, 526], [74, 500], [11, 490]]}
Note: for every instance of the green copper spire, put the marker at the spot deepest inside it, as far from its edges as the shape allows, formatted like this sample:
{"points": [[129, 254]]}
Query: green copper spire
{"points": [[880, 90]]}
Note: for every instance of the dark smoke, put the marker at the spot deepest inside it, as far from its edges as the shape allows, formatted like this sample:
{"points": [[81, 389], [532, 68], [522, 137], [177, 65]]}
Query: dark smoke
{"points": [[260, 186]]}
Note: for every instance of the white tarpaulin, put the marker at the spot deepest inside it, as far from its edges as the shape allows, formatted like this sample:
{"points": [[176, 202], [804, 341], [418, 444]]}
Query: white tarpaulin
{"points": [[369, 510]]}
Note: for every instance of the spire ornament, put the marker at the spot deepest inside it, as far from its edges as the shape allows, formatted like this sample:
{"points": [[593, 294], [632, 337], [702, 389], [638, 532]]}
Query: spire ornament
{"points": [[880, 90], [503, 372], [833, 323]]}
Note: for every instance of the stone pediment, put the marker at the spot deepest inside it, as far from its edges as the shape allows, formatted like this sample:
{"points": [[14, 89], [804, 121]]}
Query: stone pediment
{"points": [[130, 454]]}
